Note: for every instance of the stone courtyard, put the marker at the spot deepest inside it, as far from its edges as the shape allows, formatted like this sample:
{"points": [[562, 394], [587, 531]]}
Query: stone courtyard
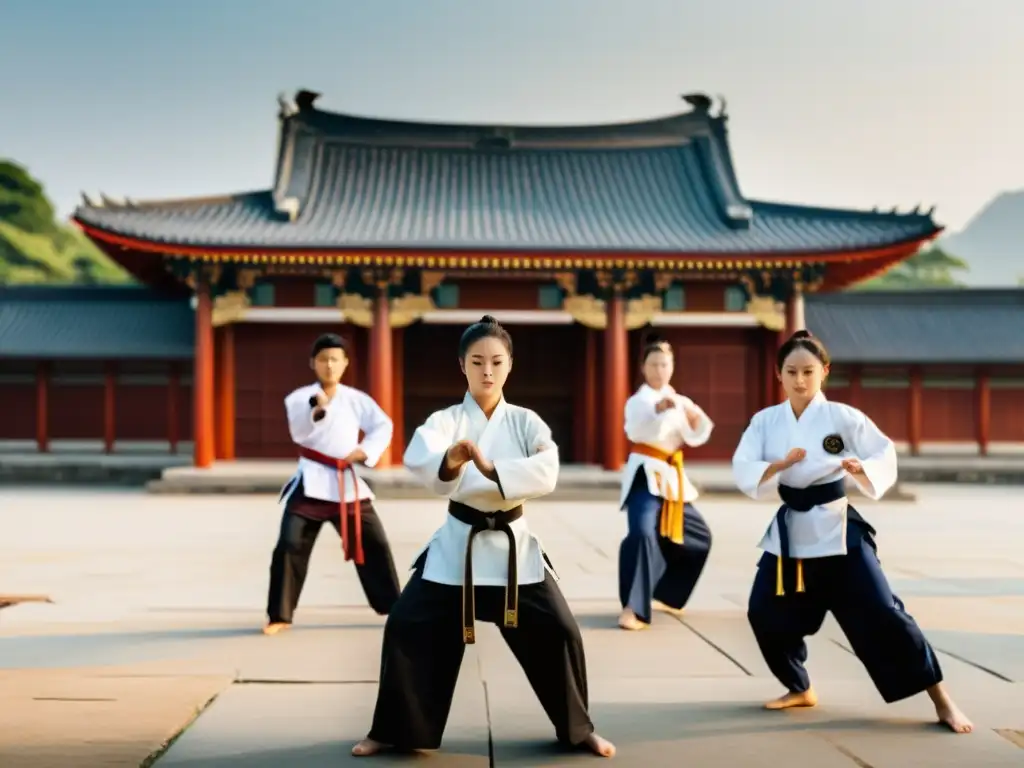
{"points": [[158, 601]]}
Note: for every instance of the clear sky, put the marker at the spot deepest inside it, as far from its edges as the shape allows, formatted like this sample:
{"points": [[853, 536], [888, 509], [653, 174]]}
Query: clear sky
{"points": [[834, 102]]}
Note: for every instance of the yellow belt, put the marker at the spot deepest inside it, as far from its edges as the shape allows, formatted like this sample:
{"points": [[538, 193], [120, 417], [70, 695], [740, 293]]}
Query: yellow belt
{"points": [[671, 511]]}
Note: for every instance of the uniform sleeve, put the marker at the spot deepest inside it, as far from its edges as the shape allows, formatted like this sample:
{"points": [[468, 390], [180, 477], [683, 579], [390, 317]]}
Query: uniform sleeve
{"points": [[377, 429], [700, 435], [874, 449], [300, 416], [535, 475], [645, 425], [748, 462], [425, 454]]}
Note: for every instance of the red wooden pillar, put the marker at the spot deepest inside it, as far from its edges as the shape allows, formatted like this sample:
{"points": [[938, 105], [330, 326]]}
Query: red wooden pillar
{"points": [[616, 380], [914, 411], [770, 386], [109, 407], [43, 407], [855, 395], [202, 377], [381, 372], [398, 394], [173, 399], [780, 391], [588, 454], [225, 411], [983, 385], [795, 319]]}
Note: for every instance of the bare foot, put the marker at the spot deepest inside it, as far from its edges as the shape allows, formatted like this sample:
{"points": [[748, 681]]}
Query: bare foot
{"points": [[806, 698], [367, 747], [660, 606], [629, 621], [274, 627], [951, 717], [599, 746]]}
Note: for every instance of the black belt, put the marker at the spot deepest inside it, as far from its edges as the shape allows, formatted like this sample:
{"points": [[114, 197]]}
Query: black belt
{"points": [[801, 500], [479, 522]]}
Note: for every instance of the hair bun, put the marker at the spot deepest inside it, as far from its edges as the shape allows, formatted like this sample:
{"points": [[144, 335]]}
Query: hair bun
{"points": [[653, 338], [488, 320], [802, 334]]}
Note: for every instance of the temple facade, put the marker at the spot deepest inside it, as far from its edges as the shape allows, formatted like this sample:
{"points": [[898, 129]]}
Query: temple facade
{"points": [[397, 235]]}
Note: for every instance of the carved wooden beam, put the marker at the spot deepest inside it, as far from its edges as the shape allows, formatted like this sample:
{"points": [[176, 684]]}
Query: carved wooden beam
{"points": [[591, 312], [230, 307]]}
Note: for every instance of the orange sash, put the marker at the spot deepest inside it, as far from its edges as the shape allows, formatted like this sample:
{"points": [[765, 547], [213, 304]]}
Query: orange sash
{"points": [[671, 511]]}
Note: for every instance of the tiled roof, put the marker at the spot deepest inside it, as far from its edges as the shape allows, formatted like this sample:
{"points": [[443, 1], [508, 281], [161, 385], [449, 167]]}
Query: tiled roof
{"points": [[112, 323], [942, 326], [664, 185]]}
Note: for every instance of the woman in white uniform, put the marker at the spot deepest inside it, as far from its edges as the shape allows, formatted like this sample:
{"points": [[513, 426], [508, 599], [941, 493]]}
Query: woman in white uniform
{"points": [[667, 541], [487, 457], [819, 553]]}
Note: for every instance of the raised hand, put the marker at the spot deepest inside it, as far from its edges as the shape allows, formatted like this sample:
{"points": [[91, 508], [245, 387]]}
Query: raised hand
{"points": [[795, 456], [664, 404], [321, 399], [853, 466], [459, 453], [483, 464]]}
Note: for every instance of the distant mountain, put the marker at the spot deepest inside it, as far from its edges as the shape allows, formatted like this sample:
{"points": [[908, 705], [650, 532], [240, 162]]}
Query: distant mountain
{"points": [[992, 243]]}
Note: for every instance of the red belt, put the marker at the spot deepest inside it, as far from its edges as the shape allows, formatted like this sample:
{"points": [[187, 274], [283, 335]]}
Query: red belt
{"points": [[341, 466]]}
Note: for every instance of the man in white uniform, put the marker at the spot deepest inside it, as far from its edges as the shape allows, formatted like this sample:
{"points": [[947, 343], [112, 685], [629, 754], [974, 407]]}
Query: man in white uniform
{"points": [[325, 420]]}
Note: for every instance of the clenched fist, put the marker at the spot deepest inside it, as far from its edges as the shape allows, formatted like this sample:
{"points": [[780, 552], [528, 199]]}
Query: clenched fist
{"points": [[459, 453], [794, 457]]}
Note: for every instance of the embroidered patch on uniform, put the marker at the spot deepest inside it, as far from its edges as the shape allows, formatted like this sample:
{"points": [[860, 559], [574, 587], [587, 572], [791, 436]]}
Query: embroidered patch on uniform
{"points": [[833, 444]]}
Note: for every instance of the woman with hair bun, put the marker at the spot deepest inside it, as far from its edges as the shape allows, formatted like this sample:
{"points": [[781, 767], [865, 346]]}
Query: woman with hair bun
{"points": [[667, 540], [819, 553], [487, 457]]}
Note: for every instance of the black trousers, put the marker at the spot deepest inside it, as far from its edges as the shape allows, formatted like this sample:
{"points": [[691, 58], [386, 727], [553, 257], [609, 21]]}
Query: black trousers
{"points": [[886, 639], [423, 650], [290, 563]]}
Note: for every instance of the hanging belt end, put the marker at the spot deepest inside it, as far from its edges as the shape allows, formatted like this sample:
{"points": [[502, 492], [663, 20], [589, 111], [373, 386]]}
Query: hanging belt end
{"points": [[800, 576], [468, 635], [512, 619], [779, 590]]}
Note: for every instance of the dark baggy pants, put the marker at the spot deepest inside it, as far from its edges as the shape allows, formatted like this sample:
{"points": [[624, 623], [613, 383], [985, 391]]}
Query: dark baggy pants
{"points": [[423, 649], [654, 567], [290, 561], [853, 587]]}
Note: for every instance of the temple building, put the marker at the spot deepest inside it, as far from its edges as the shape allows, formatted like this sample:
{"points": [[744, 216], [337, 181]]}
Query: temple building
{"points": [[398, 234]]}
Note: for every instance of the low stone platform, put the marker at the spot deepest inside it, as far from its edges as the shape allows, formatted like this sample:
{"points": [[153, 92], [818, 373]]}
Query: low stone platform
{"points": [[127, 470]]}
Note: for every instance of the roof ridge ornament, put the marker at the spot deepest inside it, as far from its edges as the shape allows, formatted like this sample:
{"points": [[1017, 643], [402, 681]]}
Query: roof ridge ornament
{"points": [[700, 102], [286, 108], [305, 99]]}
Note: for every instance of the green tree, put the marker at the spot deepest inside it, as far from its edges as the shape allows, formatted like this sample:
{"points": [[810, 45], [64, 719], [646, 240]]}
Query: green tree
{"points": [[929, 268], [37, 248]]}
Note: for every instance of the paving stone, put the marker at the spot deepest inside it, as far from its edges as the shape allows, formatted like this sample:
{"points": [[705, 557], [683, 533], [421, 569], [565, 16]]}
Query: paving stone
{"points": [[269, 726]]}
